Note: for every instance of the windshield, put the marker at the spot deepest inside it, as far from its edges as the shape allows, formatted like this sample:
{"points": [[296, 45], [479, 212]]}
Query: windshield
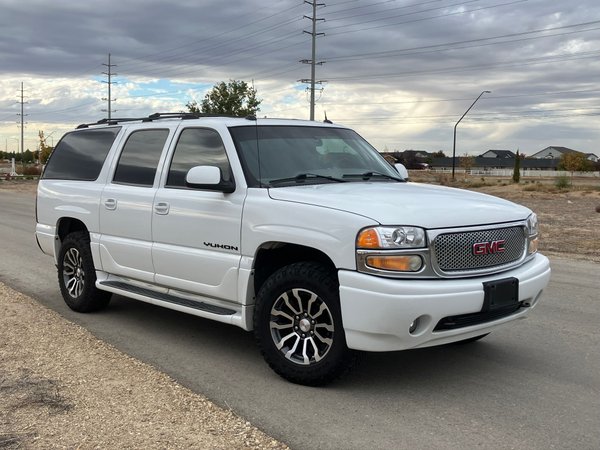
{"points": [[290, 155]]}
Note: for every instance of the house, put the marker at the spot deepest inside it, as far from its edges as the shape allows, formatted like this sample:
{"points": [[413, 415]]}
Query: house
{"points": [[553, 152], [498, 154], [591, 157]]}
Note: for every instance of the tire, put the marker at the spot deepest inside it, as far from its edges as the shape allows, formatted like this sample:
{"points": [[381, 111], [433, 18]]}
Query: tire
{"points": [[77, 275], [298, 325]]}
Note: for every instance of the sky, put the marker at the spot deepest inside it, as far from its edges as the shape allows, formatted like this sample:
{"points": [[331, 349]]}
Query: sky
{"points": [[400, 72]]}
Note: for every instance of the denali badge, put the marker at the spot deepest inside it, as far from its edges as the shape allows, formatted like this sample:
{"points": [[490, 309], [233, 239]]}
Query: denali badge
{"points": [[488, 248]]}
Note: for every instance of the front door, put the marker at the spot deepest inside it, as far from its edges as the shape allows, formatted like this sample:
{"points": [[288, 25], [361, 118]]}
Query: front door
{"points": [[196, 232]]}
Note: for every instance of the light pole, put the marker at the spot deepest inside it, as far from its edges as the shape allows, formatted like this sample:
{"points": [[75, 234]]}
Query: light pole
{"points": [[461, 118]]}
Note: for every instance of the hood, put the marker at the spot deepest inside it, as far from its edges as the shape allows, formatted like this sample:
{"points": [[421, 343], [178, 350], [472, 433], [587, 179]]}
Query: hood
{"points": [[414, 204]]}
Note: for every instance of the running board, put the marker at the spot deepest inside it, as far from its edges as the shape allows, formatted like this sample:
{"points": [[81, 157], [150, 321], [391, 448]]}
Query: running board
{"points": [[167, 298]]}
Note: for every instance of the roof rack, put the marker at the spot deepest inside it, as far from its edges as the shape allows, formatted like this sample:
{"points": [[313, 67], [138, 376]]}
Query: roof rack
{"points": [[155, 116]]}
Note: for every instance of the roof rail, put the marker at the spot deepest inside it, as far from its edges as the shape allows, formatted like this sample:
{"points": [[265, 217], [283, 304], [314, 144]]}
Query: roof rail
{"points": [[155, 116]]}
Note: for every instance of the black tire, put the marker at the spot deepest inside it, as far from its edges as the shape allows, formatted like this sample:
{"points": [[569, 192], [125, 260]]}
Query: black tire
{"points": [[77, 275], [473, 339], [298, 308]]}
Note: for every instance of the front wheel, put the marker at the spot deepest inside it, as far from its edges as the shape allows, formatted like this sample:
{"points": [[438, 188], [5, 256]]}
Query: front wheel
{"points": [[298, 324], [77, 275]]}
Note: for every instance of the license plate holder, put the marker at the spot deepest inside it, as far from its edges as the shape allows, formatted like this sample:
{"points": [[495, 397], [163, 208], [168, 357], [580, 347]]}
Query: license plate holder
{"points": [[499, 294]]}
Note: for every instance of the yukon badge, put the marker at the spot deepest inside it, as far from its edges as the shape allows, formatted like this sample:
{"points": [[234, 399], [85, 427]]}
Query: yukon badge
{"points": [[488, 248], [223, 246]]}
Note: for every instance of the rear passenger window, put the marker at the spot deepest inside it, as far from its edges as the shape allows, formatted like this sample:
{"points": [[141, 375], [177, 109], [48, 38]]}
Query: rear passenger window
{"points": [[80, 155], [139, 158], [197, 147]]}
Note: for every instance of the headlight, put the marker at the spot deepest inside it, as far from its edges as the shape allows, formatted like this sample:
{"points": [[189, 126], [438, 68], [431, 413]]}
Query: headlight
{"points": [[532, 224], [391, 238], [533, 232]]}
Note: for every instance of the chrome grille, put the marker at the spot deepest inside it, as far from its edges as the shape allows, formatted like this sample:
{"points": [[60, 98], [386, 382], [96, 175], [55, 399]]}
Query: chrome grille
{"points": [[454, 251]]}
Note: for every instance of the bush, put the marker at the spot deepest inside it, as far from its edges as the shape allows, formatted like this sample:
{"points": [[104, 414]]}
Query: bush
{"points": [[32, 170], [562, 182]]}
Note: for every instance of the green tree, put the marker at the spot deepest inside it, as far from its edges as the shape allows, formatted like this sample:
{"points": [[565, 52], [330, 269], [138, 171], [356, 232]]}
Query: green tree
{"points": [[517, 169], [235, 98]]}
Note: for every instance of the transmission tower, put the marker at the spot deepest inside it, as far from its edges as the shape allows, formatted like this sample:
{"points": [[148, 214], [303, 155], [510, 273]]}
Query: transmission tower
{"points": [[23, 115], [109, 74], [313, 61]]}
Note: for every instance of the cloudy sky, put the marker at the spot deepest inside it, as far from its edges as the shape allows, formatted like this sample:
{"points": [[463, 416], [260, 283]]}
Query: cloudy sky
{"points": [[401, 72]]}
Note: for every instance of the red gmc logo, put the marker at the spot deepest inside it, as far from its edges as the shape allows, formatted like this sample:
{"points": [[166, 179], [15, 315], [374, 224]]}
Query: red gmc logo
{"points": [[488, 248]]}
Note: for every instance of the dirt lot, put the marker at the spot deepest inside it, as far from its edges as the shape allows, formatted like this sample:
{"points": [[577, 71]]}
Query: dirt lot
{"points": [[62, 388]]}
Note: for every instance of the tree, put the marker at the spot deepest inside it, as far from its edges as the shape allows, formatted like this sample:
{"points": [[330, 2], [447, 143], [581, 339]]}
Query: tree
{"points": [[574, 162], [235, 98], [467, 162], [45, 149], [517, 169]]}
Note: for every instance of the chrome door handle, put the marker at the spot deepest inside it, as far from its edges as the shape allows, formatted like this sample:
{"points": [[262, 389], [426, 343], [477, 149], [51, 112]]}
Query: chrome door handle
{"points": [[161, 208], [110, 203]]}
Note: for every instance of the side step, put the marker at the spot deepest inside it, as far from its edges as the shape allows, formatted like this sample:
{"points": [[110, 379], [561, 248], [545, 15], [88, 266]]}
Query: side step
{"points": [[168, 298]]}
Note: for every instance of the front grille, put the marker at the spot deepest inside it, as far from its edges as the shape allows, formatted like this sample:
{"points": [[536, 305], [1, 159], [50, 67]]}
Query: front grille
{"points": [[454, 251], [467, 320]]}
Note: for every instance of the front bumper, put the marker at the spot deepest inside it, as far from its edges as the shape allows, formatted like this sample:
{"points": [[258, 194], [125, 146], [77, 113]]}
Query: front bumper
{"points": [[378, 312]]}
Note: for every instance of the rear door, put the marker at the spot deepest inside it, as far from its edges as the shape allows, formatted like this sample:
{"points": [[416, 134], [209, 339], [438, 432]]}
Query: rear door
{"points": [[127, 202]]}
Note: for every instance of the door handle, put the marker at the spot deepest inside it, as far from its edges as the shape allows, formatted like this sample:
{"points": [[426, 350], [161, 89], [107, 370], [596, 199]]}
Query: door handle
{"points": [[161, 208], [110, 203]]}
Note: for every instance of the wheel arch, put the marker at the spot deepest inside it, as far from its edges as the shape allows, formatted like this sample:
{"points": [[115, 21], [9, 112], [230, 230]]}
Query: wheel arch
{"points": [[272, 256], [66, 226]]}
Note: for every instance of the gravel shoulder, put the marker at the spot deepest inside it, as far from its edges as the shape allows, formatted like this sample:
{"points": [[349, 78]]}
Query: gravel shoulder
{"points": [[60, 387]]}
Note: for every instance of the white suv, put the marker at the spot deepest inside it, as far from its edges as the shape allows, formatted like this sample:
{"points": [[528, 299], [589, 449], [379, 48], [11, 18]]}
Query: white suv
{"points": [[297, 230]]}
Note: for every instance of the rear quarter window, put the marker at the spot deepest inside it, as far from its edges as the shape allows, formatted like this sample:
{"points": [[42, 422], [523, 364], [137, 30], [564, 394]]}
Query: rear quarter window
{"points": [[80, 155]]}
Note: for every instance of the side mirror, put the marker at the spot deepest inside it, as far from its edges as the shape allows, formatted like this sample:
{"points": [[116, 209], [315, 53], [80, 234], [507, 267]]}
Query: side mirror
{"points": [[401, 170], [208, 177]]}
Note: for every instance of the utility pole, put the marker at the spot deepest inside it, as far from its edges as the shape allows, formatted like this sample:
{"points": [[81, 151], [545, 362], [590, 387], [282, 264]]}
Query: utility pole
{"points": [[22, 114], [109, 74], [313, 61]]}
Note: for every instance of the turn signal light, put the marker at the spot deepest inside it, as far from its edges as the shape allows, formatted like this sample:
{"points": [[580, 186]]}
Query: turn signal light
{"points": [[404, 263], [368, 239]]}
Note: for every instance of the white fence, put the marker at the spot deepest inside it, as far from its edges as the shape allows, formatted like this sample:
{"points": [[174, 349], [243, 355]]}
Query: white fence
{"points": [[524, 173]]}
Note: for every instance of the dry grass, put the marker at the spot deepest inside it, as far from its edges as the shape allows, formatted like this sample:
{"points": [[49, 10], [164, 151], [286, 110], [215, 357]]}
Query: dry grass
{"points": [[569, 219]]}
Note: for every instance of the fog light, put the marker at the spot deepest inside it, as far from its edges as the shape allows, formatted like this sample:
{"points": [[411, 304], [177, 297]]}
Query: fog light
{"points": [[404, 263], [413, 326]]}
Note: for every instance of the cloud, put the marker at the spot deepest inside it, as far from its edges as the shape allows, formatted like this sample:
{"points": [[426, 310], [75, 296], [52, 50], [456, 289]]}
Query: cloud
{"points": [[400, 72]]}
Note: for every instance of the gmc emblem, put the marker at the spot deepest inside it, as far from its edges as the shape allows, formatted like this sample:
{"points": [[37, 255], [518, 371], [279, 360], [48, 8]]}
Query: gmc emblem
{"points": [[489, 248]]}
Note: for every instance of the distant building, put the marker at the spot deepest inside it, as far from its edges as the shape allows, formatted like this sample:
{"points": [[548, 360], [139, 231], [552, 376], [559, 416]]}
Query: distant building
{"points": [[553, 152], [591, 157], [498, 154]]}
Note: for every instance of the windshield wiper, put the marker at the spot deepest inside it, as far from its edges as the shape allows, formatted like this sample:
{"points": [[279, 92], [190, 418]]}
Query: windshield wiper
{"points": [[302, 177], [368, 175]]}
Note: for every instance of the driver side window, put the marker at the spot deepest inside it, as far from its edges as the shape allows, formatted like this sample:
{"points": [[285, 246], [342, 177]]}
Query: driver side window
{"points": [[197, 147]]}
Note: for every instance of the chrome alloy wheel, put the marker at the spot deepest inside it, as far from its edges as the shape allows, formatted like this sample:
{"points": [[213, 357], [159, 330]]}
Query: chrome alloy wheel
{"points": [[301, 326], [73, 272]]}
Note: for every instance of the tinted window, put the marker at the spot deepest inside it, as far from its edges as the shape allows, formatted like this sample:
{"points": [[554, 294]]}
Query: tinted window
{"points": [[197, 147], [272, 153], [80, 155], [139, 158]]}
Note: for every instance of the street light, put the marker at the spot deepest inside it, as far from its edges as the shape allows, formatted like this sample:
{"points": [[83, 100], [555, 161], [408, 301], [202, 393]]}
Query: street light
{"points": [[461, 118]]}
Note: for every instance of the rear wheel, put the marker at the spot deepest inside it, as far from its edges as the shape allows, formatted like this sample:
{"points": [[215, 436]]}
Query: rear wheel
{"points": [[298, 325], [77, 275]]}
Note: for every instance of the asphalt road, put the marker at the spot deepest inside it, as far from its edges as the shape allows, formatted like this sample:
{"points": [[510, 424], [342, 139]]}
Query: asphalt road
{"points": [[534, 385]]}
